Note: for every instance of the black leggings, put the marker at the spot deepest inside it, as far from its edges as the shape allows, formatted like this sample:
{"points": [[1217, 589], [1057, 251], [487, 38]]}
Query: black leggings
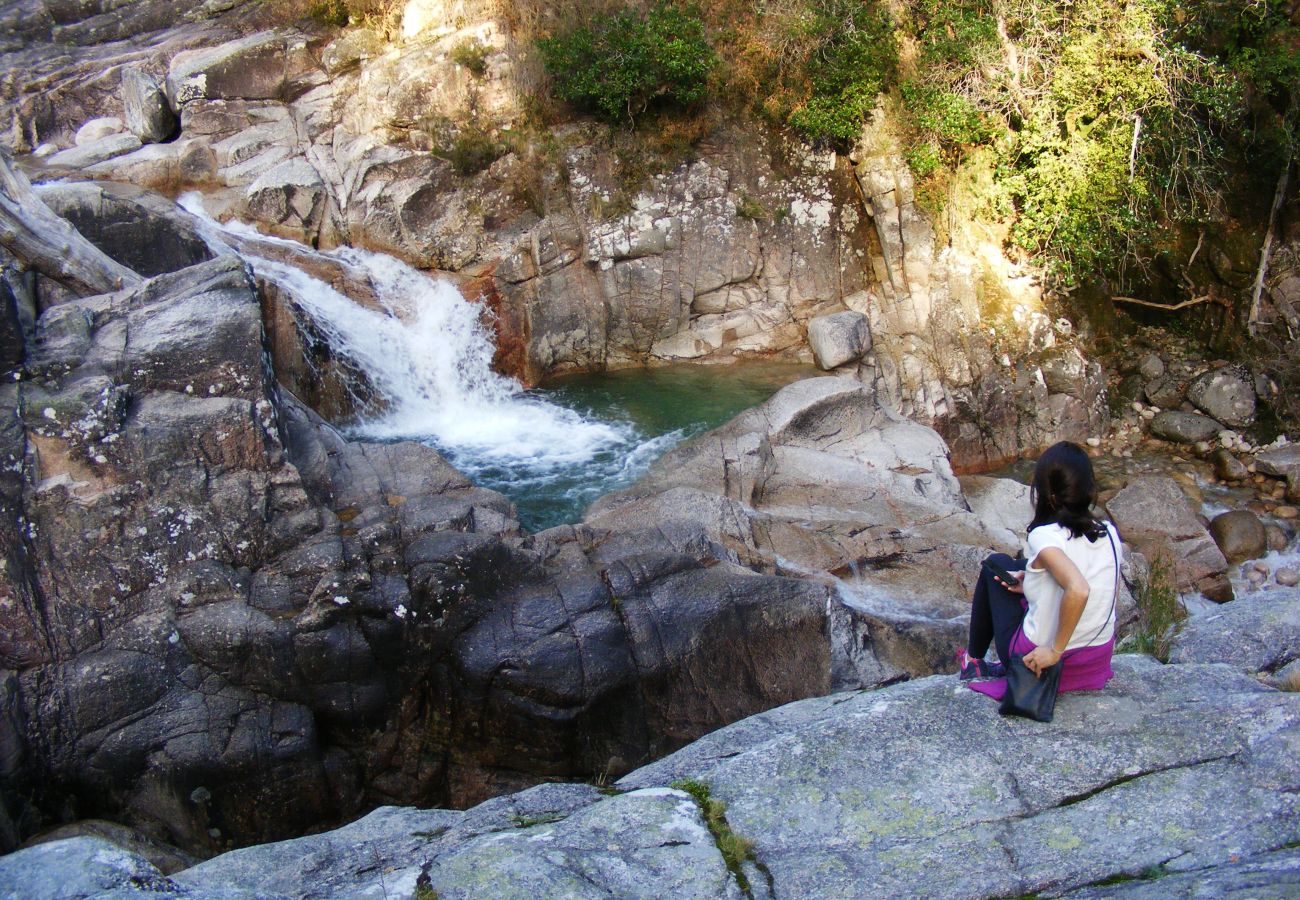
{"points": [[995, 612]]}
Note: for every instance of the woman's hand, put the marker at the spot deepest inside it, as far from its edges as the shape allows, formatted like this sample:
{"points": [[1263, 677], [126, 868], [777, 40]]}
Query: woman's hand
{"points": [[1014, 586], [1041, 658]]}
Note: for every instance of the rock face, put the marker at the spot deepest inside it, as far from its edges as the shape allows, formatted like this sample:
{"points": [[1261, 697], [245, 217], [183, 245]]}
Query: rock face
{"points": [[824, 482], [1154, 514], [729, 255], [246, 625], [915, 790], [1259, 633]]}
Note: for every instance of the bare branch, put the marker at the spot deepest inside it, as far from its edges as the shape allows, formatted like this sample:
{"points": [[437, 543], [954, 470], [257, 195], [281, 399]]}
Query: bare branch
{"points": [[44, 241]]}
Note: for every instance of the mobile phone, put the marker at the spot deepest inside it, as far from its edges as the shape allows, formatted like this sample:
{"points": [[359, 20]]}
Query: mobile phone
{"points": [[1002, 574]]}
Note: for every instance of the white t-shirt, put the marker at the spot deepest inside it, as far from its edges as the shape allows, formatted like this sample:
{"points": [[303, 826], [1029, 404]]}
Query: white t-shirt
{"points": [[1097, 563]]}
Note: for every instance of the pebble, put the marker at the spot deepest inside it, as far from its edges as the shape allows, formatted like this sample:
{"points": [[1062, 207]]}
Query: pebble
{"points": [[1286, 512], [1256, 578], [1094, 442], [1288, 577], [1262, 568]]}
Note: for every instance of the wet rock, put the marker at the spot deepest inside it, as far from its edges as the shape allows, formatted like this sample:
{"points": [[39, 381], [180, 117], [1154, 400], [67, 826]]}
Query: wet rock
{"points": [[1184, 427], [839, 338], [1225, 394], [291, 195], [1287, 576], [1278, 539], [1227, 467], [1256, 633], [1240, 535], [1281, 462], [148, 114], [1153, 513]]}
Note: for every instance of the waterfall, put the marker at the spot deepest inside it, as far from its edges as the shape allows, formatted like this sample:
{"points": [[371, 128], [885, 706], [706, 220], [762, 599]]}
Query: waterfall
{"points": [[428, 353]]}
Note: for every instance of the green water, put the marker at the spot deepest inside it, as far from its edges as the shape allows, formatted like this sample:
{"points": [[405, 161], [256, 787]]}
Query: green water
{"points": [[650, 411]]}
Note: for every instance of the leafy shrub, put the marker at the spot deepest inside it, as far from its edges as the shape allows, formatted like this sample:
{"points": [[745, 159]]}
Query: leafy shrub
{"points": [[1159, 612], [472, 54], [622, 66], [471, 150]]}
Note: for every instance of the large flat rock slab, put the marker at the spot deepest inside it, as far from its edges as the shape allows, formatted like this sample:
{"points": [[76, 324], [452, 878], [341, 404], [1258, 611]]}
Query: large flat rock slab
{"points": [[1257, 633]]}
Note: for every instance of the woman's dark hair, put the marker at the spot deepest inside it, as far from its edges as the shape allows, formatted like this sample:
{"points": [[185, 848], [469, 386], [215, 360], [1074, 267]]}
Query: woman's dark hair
{"points": [[1064, 490]]}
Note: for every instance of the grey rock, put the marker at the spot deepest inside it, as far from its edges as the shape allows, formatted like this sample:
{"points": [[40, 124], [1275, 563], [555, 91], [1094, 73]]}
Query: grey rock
{"points": [[1065, 372], [148, 114], [1154, 514], [266, 65], [97, 151], [864, 789], [291, 194], [1151, 366], [1267, 874], [1184, 427], [139, 229], [80, 867], [1259, 632], [1287, 576], [1226, 394], [1282, 462], [1165, 392], [839, 338], [1240, 535]]}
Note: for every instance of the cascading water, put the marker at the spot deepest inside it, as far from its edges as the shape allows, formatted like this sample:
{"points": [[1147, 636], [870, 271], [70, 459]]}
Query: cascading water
{"points": [[428, 355]]}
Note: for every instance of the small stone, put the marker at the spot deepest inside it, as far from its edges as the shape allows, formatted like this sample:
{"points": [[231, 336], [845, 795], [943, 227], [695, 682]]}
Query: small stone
{"points": [[1227, 467], [1288, 577], [1094, 442], [1277, 539], [1286, 512], [1255, 577], [1239, 534], [1151, 366]]}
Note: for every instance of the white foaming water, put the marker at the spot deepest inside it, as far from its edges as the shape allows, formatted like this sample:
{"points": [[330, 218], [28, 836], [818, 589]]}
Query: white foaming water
{"points": [[428, 354]]}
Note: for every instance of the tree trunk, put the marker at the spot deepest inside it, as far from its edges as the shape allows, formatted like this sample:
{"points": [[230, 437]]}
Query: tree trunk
{"points": [[48, 243]]}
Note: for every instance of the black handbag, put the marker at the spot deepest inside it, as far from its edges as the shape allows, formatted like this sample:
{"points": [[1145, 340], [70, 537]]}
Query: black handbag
{"points": [[1033, 696], [1029, 695]]}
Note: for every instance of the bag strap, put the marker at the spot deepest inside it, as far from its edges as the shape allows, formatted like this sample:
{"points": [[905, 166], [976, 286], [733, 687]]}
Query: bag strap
{"points": [[1114, 599]]}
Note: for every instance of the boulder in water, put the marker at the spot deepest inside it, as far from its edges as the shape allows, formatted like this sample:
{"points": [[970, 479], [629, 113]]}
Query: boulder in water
{"points": [[1153, 513], [1240, 535]]}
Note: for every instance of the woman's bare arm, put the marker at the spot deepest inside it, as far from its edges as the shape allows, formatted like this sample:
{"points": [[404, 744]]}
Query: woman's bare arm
{"points": [[1075, 598]]}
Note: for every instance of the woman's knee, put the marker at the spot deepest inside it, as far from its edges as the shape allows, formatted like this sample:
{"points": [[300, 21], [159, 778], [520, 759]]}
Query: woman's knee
{"points": [[1006, 561]]}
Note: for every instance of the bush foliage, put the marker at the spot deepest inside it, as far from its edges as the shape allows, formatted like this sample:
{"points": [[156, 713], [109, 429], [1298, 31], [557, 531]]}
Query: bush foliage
{"points": [[619, 68], [1104, 121]]}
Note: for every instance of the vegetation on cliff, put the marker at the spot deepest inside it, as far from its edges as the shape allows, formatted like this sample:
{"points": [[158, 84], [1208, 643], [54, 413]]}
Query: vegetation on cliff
{"points": [[1101, 121]]}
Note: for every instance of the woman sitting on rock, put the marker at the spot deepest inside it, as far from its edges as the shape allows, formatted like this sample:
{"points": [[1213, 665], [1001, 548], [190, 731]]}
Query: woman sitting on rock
{"points": [[1058, 602]]}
